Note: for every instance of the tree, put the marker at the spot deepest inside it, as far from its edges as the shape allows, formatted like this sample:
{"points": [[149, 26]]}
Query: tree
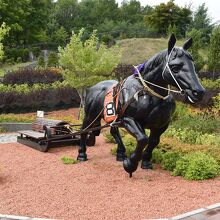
{"points": [[194, 49], [131, 11], [60, 36], [164, 15], [66, 13], [3, 31], [26, 19], [202, 22], [86, 63], [214, 51]]}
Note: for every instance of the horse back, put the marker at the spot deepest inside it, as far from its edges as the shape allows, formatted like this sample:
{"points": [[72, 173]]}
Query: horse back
{"points": [[95, 95]]}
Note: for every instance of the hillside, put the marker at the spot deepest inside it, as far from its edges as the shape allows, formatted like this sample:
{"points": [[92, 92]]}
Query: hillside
{"points": [[137, 50]]}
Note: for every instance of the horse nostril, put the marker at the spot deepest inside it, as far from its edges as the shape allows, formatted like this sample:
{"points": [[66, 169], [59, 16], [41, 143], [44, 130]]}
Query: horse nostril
{"points": [[195, 93], [198, 93]]}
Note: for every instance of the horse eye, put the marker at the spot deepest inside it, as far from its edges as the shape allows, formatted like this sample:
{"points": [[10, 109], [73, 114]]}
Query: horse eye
{"points": [[175, 69]]}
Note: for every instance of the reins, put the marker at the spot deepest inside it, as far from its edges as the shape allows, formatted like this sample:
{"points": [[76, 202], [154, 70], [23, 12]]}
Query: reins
{"points": [[147, 88]]}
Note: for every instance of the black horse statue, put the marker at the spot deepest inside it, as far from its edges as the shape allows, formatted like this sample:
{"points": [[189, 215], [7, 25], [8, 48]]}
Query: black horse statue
{"points": [[149, 104]]}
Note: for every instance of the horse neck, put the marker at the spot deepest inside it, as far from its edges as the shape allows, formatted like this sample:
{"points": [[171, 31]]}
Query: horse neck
{"points": [[153, 72]]}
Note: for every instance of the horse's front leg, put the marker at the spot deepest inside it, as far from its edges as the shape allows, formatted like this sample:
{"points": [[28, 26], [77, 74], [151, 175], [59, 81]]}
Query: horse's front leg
{"points": [[131, 164], [121, 148], [154, 140]]}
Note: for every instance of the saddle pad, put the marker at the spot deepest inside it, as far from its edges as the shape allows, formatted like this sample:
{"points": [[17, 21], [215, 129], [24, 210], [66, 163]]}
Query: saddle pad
{"points": [[110, 105]]}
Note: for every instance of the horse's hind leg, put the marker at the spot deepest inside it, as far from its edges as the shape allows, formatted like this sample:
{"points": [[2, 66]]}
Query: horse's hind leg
{"points": [[82, 156], [121, 148], [154, 140], [87, 123]]}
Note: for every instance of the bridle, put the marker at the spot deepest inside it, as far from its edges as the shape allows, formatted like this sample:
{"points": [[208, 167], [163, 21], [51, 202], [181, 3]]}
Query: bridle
{"points": [[147, 88]]}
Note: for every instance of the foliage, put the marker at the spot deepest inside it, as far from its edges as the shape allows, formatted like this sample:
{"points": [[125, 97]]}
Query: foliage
{"points": [[26, 18], [194, 49], [209, 83], [52, 60], [193, 137], [157, 156], [217, 101], [24, 98], [197, 166], [41, 62], [214, 51], [89, 62], [16, 53], [164, 15], [68, 160], [169, 160], [16, 118], [122, 71], [172, 29], [202, 22], [60, 36], [108, 40], [3, 31], [32, 76]]}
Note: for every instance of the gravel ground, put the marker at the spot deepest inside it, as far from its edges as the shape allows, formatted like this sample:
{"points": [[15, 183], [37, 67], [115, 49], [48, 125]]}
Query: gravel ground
{"points": [[38, 184]]}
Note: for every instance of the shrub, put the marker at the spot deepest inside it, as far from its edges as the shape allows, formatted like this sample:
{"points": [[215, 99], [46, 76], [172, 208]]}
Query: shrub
{"points": [[15, 53], [52, 60], [130, 144], [26, 100], [68, 160], [32, 76], [169, 160], [36, 51], [157, 156], [197, 166], [41, 62], [108, 40], [109, 138], [214, 50], [194, 50], [122, 71]]}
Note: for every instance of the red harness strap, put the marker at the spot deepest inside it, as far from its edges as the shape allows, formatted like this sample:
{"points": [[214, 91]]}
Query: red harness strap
{"points": [[111, 104]]}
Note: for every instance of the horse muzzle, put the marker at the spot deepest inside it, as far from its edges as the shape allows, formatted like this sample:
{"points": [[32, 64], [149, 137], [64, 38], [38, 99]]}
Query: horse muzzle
{"points": [[193, 96]]}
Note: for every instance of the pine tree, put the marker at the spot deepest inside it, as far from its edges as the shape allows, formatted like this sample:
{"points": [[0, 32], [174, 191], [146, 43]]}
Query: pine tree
{"points": [[214, 51]]}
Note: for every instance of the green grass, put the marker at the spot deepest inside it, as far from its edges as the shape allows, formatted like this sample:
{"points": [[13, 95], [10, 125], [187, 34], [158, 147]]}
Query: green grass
{"points": [[9, 67], [68, 160], [137, 50]]}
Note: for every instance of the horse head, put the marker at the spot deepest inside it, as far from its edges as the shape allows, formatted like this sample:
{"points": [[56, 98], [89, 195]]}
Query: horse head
{"points": [[179, 71]]}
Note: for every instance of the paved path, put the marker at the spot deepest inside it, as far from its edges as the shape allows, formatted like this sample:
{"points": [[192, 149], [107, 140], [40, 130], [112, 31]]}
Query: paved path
{"points": [[8, 138]]}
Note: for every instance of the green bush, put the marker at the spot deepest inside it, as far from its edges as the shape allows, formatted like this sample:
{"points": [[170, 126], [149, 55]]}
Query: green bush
{"points": [[109, 138], [36, 51], [197, 166], [129, 142], [68, 160], [15, 53], [157, 156], [41, 62], [169, 160], [52, 60], [193, 137]]}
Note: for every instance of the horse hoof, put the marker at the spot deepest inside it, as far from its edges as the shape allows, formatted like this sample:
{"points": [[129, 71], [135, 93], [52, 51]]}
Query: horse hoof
{"points": [[82, 157], [146, 165], [121, 157], [129, 167]]}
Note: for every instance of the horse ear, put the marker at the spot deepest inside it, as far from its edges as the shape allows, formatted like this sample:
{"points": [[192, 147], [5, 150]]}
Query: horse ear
{"points": [[171, 43], [188, 44]]}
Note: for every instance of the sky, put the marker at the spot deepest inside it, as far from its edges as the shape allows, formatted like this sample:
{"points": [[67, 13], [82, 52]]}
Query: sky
{"points": [[212, 5]]}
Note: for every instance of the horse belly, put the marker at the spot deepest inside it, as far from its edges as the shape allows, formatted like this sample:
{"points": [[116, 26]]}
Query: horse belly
{"points": [[157, 114]]}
